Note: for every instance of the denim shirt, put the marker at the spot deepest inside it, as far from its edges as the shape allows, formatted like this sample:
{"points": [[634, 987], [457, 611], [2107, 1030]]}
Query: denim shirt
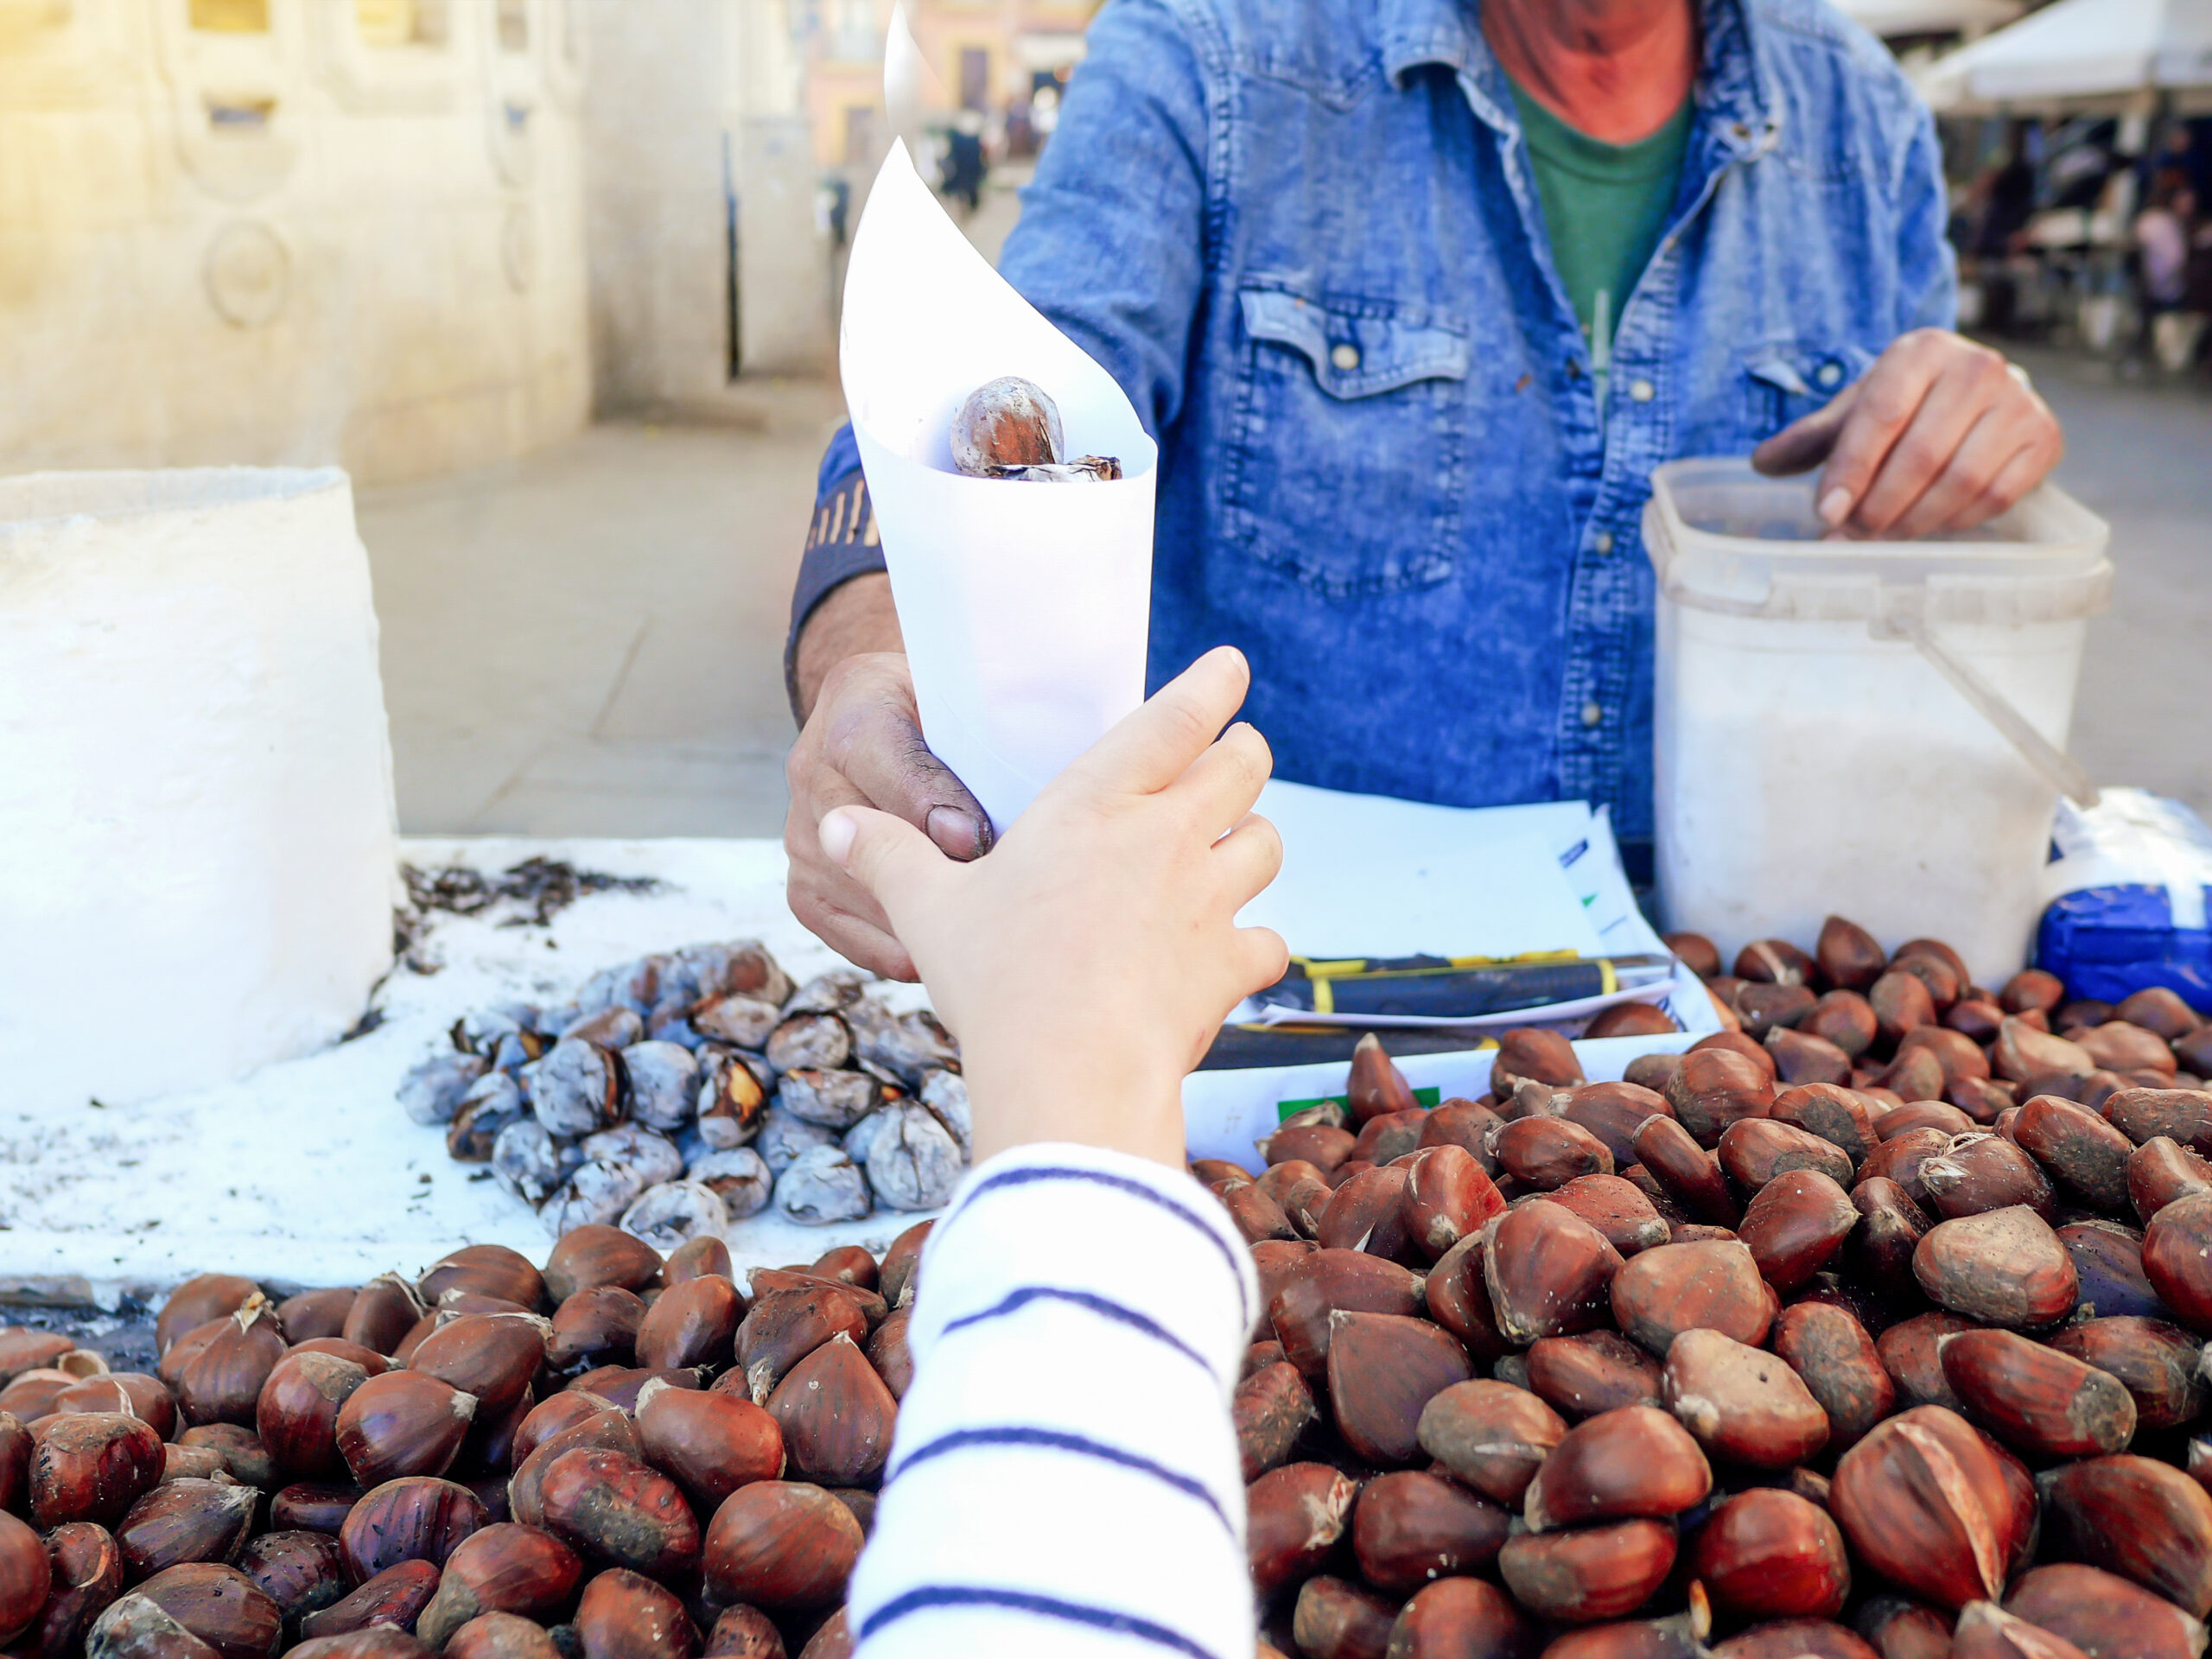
{"points": [[1305, 237]]}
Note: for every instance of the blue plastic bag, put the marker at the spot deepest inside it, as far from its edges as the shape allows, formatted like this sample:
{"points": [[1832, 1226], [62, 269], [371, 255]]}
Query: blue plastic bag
{"points": [[2127, 886]]}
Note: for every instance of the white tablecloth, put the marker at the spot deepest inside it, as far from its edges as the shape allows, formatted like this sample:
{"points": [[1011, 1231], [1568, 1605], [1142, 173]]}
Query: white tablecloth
{"points": [[307, 1173]]}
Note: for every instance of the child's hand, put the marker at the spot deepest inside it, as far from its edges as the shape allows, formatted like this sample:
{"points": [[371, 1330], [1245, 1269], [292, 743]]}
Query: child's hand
{"points": [[1087, 961]]}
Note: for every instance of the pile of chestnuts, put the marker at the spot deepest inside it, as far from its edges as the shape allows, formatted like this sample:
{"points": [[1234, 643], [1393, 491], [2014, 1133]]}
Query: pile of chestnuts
{"points": [[689, 1090], [1870, 1328], [616, 1457]]}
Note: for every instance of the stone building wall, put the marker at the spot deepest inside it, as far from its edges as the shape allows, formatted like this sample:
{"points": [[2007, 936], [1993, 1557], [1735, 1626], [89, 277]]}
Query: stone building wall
{"points": [[385, 233], [290, 231]]}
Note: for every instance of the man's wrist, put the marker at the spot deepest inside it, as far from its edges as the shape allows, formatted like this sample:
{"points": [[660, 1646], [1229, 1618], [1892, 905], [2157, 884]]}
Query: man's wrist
{"points": [[842, 545], [854, 619]]}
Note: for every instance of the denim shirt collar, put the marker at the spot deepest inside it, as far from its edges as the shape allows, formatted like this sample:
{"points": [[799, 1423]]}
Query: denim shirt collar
{"points": [[1731, 92]]}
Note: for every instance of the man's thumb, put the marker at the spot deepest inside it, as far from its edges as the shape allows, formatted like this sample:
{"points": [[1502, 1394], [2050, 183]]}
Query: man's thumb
{"points": [[1805, 443], [883, 853]]}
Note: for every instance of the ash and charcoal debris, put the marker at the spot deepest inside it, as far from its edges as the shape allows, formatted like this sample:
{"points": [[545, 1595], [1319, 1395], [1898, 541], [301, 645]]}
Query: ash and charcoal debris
{"points": [[534, 892], [540, 887], [124, 1338]]}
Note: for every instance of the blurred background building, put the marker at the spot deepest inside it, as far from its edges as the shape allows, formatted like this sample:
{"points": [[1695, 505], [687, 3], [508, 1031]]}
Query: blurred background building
{"points": [[403, 235], [997, 69]]}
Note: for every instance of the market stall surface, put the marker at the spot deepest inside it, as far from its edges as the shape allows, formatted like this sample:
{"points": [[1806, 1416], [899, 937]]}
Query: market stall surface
{"points": [[307, 1173]]}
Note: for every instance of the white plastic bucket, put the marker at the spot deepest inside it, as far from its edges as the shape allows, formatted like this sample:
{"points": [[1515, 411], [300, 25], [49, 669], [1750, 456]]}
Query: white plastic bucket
{"points": [[1871, 729], [197, 853]]}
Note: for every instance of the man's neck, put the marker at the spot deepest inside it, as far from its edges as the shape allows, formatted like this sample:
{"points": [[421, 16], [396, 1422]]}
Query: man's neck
{"points": [[1616, 70]]}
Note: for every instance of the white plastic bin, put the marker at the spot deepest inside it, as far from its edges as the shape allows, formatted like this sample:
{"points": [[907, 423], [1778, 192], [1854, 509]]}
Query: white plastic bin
{"points": [[1874, 730]]}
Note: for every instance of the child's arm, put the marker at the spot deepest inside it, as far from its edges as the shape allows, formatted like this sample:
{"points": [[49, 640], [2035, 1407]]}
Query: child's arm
{"points": [[1065, 1479]]}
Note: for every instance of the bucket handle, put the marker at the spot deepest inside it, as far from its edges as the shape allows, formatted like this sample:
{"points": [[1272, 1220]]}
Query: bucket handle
{"points": [[2052, 764], [2056, 767]]}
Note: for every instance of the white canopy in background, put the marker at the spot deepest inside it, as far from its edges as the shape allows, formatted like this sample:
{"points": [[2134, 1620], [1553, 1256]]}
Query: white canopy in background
{"points": [[2079, 54], [1888, 19]]}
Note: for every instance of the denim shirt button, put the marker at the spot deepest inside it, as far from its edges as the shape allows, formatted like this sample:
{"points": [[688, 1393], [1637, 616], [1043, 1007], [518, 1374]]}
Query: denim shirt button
{"points": [[1602, 542], [1345, 357], [1592, 714], [1829, 373], [1641, 390]]}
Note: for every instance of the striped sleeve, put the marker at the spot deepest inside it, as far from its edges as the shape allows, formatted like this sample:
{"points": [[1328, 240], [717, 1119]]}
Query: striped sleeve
{"points": [[1065, 1479]]}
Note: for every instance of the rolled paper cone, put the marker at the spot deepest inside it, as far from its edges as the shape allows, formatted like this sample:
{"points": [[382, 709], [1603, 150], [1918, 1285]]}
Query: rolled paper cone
{"points": [[1025, 607]]}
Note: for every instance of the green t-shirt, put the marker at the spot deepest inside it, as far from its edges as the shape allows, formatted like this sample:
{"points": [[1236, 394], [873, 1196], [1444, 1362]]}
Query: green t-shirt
{"points": [[1604, 205]]}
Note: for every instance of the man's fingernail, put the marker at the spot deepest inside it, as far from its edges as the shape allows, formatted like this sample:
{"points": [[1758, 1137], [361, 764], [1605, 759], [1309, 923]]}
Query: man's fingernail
{"points": [[955, 831], [837, 830], [1835, 506]]}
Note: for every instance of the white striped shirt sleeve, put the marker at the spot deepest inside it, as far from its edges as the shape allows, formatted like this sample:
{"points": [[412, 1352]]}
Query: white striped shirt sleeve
{"points": [[1065, 1476]]}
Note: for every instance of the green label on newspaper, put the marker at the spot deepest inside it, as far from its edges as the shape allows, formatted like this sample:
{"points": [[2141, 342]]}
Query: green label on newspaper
{"points": [[1424, 1097]]}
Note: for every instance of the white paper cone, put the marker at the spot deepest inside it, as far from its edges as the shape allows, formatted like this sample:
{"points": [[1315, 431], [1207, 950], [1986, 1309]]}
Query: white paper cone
{"points": [[1025, 607]]}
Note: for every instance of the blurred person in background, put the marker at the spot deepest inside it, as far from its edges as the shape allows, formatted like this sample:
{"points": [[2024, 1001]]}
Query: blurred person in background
{"points": [[964, 167], [1414, 295], [2166, 238], [2164, 232], [2004, 200]]}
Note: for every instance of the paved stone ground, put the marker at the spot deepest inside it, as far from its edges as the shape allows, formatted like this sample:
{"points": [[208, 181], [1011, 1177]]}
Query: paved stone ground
{"points": [[588, 641], [2140, 454]]}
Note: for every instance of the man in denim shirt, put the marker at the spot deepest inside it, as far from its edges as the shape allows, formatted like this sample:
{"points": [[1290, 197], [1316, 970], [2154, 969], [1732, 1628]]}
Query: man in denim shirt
{"points": [[1415, 294]]}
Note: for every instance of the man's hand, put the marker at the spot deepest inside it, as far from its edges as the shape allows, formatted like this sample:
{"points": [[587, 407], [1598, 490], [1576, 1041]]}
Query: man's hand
{"points": [[863, 746], [1940, 435], [1087, 961]]}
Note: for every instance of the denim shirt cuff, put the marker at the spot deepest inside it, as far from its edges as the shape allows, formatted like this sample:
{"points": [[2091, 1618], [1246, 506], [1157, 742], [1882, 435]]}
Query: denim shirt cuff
{"points": [[841, 543]]}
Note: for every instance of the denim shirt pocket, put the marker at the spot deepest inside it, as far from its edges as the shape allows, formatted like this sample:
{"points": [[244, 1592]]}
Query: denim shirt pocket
{"points": [[1786, 381], [1346, 462]]}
